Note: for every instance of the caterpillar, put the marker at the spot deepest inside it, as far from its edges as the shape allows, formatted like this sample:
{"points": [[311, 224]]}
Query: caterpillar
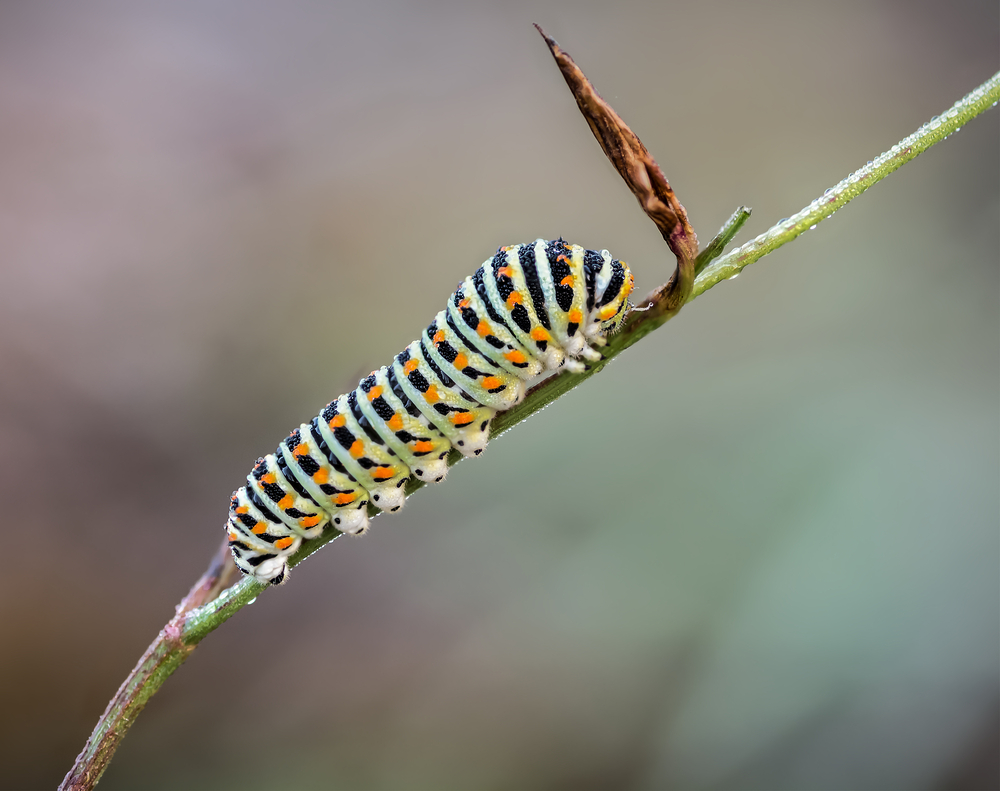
{"points": [[531, 308]]}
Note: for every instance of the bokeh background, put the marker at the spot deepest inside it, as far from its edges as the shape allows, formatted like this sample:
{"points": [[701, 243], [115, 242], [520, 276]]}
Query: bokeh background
{"points": [[760, 551]]}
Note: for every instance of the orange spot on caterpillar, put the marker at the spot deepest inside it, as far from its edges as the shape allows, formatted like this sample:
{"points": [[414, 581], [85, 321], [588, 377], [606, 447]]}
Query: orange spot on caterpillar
{"points": [[540, 334], [461, 418], [515, 357], [284, 543], [233, 536], [310, 521], [482, 329], [286, 502], [515, 298], [464, 303], [505, 271], [432, 396], [576, 316], [383, 473], [438, 336], [395, 422], [321, 476], [460, 361], [258, 528], [301, 450], [345, 499], [423, 446], [607, 312], [269, 478], [569, 280], [337, 421], [410, 366], [375, 392], [357, 449], [243, 509], [491, 383]]}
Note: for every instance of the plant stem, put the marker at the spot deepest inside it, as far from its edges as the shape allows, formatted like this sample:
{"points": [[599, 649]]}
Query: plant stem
{"points": [[641, 322], [722, 239], [937, 129], [202, 612]]}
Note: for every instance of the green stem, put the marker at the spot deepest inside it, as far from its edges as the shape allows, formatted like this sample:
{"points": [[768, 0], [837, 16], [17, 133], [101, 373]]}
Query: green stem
{"points": [[640, 324], [722, 239], [938, 128], [193, 623]]}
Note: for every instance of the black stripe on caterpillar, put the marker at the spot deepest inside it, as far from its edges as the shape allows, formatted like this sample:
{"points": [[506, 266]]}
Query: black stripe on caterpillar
{"points": [[531, 308]]}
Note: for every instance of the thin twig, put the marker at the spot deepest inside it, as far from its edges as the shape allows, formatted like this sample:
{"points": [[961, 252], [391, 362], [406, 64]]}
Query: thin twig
{"points": [[722, 239], [211, 601], [166, 653], [838, 196]]}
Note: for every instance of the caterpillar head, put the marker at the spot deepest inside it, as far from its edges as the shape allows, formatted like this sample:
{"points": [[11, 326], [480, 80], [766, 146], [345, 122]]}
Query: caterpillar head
{"points": [[612, 285]]}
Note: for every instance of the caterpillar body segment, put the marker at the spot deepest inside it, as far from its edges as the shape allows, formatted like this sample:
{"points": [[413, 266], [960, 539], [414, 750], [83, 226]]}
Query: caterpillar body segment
{"points": [[299, 512], [475, 372], [307, 452], [259, 544], [530, 308], [420, 446], [470, 301], [457, 415], [365, 457]]}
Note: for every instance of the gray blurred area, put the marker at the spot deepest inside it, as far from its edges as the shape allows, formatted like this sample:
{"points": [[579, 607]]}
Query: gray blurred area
{"points": [[762, 550]]}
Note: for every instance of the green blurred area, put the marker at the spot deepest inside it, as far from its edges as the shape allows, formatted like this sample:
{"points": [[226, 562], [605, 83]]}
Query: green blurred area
{"points": [[759, 551]]}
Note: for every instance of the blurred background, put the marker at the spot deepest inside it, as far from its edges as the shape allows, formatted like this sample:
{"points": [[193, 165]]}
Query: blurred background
{"points": [[760, 551]]}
